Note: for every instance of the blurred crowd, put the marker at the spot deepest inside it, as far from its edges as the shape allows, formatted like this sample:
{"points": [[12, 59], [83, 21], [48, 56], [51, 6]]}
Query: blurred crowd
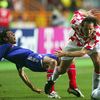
{"points": [[41, 13]]}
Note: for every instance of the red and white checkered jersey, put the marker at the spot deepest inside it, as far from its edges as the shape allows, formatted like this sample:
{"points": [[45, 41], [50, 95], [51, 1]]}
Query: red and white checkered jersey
{"points": [[79, 37]]}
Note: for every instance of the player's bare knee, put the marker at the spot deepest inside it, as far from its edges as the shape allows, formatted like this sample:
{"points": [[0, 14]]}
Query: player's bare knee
{"points": [[53, 62]]}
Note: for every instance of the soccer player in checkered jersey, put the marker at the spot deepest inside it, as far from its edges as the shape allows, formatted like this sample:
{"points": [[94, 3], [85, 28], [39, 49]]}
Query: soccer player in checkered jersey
{"points": [[22, 57], [85, 39]]}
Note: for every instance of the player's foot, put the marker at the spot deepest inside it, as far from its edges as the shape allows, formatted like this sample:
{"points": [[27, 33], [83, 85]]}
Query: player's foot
{"points": [[48, 86], [75, 92], [54, 94]]}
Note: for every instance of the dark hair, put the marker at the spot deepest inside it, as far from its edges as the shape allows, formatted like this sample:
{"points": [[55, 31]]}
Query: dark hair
{"points": [[3, 34], [90, 20]]}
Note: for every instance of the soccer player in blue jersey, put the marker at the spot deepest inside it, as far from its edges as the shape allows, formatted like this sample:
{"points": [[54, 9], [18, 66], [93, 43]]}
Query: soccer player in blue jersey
{"points": [[22, 57], [26, 58]]}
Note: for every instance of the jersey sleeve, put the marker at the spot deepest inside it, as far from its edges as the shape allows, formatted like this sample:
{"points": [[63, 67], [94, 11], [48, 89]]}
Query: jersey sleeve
{"points": [[3, 49]]}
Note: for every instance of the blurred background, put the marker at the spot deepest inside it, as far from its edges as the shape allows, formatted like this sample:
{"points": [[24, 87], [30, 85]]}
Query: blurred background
{"points": [[41, 21]]}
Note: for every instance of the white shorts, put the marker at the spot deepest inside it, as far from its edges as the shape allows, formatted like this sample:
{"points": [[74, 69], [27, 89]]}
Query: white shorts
{"points": [[71, 46]]}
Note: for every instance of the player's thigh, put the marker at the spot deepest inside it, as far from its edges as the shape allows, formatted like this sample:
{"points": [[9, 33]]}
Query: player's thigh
{"points": [[96, 60], [64, 65]]}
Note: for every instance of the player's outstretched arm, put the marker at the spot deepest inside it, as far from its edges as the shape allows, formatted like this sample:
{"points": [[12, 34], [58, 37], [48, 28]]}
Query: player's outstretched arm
{"points": [[61, 53], [27, 81]]}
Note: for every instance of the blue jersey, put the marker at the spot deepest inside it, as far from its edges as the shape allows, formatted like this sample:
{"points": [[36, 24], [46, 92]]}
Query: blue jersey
{"points": [[51, 56], [23, 57]]}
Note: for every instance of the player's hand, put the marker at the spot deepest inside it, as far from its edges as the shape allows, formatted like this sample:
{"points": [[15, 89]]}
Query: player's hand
{"points": [[39, 91], [60, 53]]}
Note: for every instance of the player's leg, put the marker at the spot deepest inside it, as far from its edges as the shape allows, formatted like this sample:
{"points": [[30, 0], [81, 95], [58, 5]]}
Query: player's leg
{"points": [[53, 93], [51, 64], [49, 74], [96, 76], [65, 63], [57, 72], [73, 88], [72, 76]]}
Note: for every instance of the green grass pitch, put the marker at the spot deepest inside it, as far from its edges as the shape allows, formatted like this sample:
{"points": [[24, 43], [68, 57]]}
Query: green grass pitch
{"points": [[13, 88]]}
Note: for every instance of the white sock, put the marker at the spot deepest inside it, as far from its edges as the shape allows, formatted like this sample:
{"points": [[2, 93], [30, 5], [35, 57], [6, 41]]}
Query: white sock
{"points": [[55, 74], [95, 81]]}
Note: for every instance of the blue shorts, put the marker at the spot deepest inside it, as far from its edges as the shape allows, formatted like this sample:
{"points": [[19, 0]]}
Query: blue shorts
{"points": [[34, 63]]}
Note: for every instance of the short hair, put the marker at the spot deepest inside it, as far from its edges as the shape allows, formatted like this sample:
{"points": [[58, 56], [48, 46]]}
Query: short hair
{"points": [[90, 20], [3, 34]]}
